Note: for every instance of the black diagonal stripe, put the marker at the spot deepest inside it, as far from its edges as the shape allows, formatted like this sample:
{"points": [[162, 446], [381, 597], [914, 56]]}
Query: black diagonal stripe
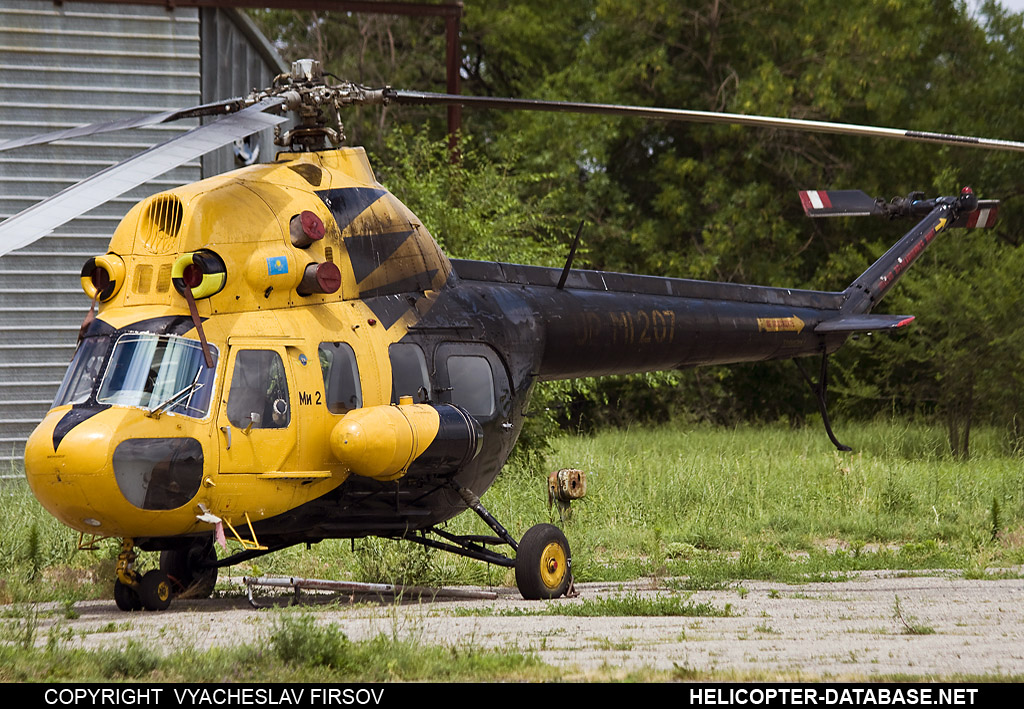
{"points": [[388, 308], [416, 283], [368, 251], [347, 203], [72, 418]]}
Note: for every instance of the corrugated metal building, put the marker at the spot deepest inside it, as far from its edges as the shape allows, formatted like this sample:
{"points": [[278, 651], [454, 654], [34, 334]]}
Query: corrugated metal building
{"points": [[63, 64]]}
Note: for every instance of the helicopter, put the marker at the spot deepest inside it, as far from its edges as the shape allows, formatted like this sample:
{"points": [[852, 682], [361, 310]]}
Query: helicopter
{"points": [[282, 354]]}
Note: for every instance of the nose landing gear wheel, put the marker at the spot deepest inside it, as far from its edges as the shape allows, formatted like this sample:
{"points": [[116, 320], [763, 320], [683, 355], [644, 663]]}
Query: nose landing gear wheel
{"points": [[155, 591], [125, 597], [543, 563]]}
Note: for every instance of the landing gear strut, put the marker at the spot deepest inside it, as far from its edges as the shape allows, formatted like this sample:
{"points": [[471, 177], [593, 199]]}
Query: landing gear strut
{"points": [[191, 570], [543, 561], [133, 592]]}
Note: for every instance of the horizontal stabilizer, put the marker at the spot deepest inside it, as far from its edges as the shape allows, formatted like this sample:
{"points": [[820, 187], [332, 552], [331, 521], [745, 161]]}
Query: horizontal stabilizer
{"points": [[839, 203], [863, 323]]}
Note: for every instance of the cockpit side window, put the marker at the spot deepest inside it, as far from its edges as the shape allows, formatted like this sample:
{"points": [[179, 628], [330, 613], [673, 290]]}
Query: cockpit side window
{"points": [[259, 391], [83, 372], [341, 377]]}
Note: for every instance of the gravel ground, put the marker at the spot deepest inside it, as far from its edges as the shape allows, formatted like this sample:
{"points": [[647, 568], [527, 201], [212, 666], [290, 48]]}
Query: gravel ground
{"points": [[817, 631]]}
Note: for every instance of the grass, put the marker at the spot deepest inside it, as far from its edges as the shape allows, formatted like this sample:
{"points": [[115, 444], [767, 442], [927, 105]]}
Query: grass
{"points": [[631, 605], [704, 505], [627, 605], [910, 625], [697, 508], [294, 644], [780, 503]]}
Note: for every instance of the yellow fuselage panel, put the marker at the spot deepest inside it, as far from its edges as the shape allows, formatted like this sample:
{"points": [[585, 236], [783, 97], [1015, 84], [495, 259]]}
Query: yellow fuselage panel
{"points": [[245, 217]]}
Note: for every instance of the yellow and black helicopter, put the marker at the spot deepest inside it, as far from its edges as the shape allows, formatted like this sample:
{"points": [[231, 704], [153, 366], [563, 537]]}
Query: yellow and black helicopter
{"points": [[282, 354]]}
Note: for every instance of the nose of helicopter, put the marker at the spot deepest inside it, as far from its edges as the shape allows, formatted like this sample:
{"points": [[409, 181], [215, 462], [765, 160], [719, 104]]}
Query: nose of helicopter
{"points": [[115, 472], [67, 469]]}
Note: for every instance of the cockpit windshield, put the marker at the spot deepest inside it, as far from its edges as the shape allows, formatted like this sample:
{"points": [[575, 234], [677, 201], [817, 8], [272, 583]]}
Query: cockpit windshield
{"points": [[158, 372]]}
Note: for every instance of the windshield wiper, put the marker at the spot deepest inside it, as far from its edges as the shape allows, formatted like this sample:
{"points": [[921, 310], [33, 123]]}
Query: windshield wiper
{"points": [[194, 386]]}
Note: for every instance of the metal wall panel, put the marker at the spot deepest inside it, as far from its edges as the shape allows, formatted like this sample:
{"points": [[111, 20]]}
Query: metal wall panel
{"points": [[236, 59], [63, 65]]}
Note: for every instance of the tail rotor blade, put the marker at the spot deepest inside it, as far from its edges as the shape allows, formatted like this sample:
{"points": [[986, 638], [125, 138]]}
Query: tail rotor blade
{"points": [[839, 203]]}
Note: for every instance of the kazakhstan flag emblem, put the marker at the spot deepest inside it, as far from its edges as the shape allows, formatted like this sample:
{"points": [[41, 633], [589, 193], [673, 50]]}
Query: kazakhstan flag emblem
{"points": [[277, 265]]}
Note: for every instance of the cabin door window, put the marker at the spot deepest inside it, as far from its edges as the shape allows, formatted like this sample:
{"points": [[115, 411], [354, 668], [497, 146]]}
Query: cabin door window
{"points": [[409, 373], [259, 391], [472, 375], [472, 384], [342, 391]]}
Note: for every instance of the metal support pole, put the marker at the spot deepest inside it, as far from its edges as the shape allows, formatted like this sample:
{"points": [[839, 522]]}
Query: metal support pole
{"points": [[454, 64]]}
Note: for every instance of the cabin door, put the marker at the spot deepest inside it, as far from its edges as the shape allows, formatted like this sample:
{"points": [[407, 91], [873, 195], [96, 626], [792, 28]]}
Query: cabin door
{"points": [[259, 434]]}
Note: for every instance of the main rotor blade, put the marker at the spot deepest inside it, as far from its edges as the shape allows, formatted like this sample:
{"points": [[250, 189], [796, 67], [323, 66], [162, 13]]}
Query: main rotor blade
{"points": [[219, 107], [42, 218], [678, 114]]}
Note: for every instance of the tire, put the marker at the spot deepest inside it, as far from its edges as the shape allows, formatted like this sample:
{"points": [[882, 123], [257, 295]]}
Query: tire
{"points": [[184, 569], [155, 591], [126, 598], [543, 563]]}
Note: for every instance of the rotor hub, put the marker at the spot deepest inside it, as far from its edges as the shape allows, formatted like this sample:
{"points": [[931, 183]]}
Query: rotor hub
{"points": [[316, 105]]}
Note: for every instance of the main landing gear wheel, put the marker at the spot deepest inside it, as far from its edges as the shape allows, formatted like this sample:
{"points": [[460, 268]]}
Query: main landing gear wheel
{"points": [[187, 570], [125, 597], [543, 563], [155, 591]]}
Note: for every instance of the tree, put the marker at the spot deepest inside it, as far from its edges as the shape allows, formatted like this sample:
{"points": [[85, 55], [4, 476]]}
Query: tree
{"points": [[719, 202]]}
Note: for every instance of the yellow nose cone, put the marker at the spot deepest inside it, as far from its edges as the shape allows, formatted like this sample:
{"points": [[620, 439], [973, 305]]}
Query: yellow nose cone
{"points": [[382, 441], [61, 478]]}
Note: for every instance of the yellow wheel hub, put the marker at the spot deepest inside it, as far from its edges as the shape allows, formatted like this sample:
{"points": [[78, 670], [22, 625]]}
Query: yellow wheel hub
{"points": [[553, 565]]}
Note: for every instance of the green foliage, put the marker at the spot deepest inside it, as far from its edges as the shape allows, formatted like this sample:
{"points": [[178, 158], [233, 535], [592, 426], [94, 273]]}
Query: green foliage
{"points": [[479, 207], [134, 661], [299, 646], [397, 563], [298, 639], [962, 362], [789, 505], [38, 559]]}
